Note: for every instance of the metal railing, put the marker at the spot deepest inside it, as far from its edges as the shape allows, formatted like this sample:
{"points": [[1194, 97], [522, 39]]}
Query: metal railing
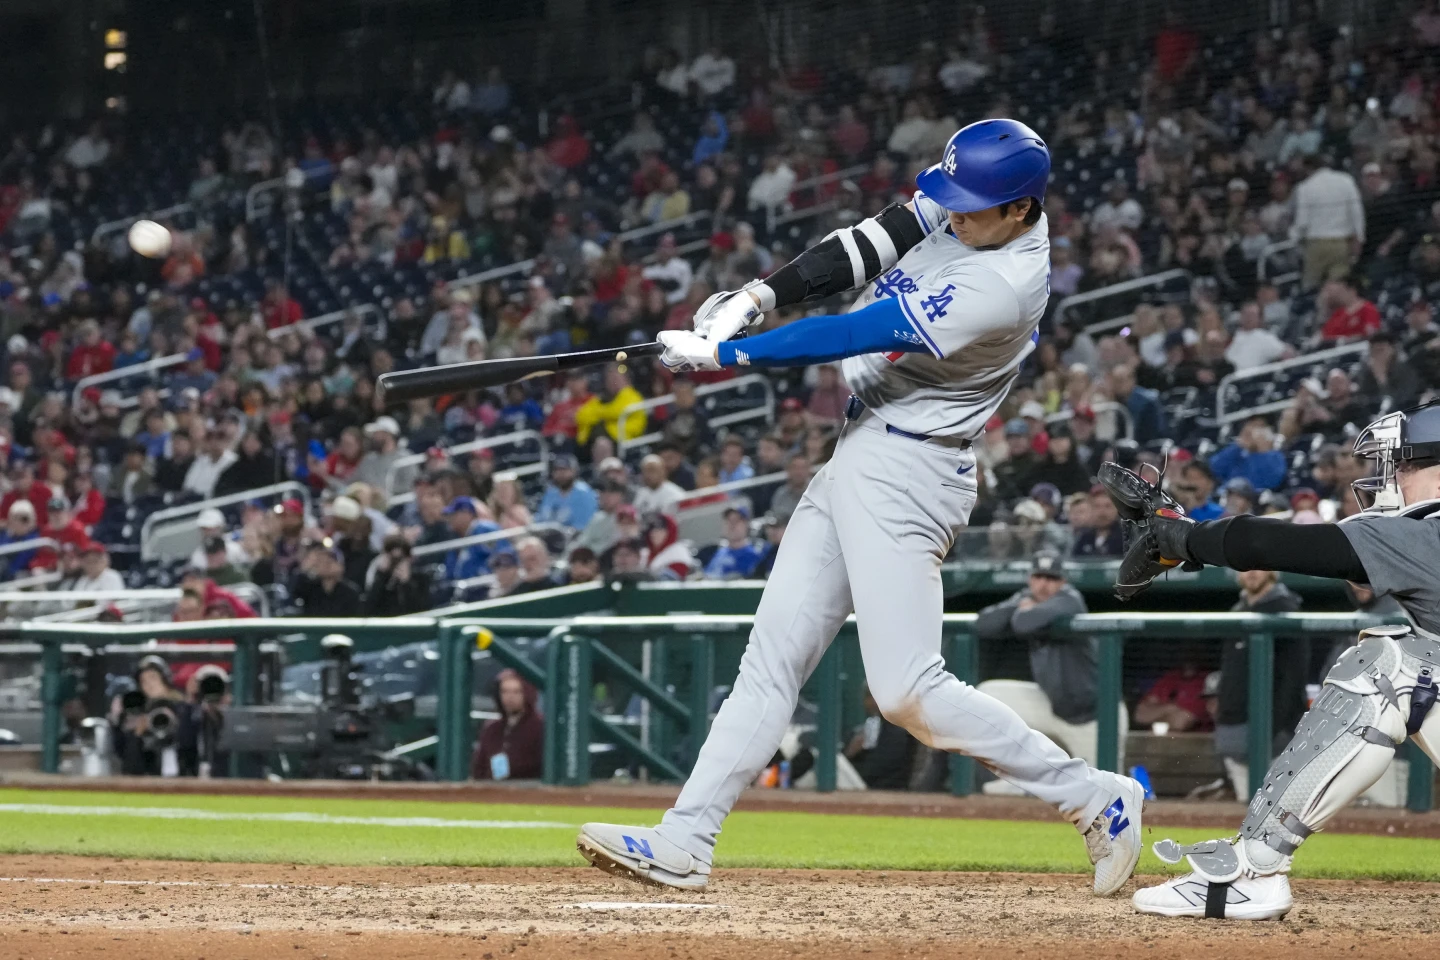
{"points": [[518, 438], [186, 511], [765, 410], [1267, 371], [324, 320], [267, 188], [1104, 406], [734, 486], [125, 373], [22, 546], [509, 533], [638, 233], [1118, 289], [1270, 253], [784, 212], [115, 226]]}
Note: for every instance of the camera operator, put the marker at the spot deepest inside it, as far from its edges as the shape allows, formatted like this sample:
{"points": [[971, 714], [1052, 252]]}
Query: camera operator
{"points": [[208, 693], [151, 723], [394, 586]]}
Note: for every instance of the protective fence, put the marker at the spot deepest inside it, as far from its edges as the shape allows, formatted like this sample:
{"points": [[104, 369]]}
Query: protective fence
{"points": [[636, 693]]}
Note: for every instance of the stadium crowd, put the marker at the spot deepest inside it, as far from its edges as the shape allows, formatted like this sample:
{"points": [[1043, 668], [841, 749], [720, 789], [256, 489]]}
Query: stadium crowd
{"points": [[1287, 177]]}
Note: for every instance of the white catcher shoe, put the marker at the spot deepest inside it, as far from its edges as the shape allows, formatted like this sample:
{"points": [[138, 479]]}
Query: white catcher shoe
{"points": [[1221, 885], [1114, 839], [640, 853]]}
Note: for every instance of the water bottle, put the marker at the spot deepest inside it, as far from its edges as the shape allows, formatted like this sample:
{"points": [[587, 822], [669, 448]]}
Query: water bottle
{"points": [[784, 774]]}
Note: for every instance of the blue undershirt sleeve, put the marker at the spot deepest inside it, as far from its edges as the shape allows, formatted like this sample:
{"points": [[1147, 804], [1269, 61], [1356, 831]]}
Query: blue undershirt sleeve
{"points": [[879, 328]]}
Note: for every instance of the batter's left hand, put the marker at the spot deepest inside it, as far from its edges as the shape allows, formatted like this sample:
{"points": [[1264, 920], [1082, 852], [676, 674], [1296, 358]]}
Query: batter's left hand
{"points": [[686, 350]]}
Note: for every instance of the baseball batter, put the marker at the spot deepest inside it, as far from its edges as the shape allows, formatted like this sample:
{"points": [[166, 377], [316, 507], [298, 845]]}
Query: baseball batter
{"points": [[955, 284], [1379, 693]]}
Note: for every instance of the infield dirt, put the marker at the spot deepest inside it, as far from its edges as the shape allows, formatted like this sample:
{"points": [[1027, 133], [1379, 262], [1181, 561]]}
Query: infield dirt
{"points": [[158, 910]]}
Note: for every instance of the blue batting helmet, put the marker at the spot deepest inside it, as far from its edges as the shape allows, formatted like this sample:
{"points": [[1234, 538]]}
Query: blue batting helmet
{"points": [[986, 164]]}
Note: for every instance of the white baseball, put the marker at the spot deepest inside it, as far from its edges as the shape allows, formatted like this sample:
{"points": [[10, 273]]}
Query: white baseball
{"points": [[621, 357], [149, 239]]}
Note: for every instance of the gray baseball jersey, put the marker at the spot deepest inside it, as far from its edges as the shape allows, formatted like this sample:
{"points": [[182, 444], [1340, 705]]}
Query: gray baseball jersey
{"points": [[1401, 555], [975, 311]]}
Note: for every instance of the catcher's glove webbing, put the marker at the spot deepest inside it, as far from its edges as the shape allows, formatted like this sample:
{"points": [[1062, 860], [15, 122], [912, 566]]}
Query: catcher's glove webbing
{"points": [[1155, 529]]}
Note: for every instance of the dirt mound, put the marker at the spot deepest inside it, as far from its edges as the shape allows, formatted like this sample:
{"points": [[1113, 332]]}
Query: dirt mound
{"points": [[149, 910]]}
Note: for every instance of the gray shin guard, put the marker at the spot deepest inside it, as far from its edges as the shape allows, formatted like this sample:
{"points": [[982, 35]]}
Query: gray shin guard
{"points": [[1379, 691], [1343, 744]]}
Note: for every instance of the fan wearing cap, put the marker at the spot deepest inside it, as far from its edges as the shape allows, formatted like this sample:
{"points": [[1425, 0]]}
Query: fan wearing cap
{"points": [[567, 499], [213, 526], [469, 517], [322, 588], [20, 526], [62, 528], [382, 436], [1060, 702], [738, 553], [1014, 476], [95, 571]]}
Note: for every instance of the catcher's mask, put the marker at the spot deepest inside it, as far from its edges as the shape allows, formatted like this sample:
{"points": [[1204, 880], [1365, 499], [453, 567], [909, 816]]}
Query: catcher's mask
{"points": [[1407, 439]]}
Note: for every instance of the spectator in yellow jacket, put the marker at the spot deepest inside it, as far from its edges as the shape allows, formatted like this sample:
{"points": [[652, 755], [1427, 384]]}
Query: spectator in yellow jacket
{"points": [[604, 409]]}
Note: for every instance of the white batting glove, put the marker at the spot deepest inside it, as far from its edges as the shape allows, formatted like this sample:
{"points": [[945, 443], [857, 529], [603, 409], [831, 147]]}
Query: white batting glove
{"points": [[706, 314], [686, 350]]}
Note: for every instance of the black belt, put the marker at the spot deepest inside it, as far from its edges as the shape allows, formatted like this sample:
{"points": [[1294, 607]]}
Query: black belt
{"points": [[855, 406]]}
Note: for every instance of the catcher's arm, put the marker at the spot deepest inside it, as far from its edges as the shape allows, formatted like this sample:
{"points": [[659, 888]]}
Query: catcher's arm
{"points": [[844, 260], [1161, 538]]}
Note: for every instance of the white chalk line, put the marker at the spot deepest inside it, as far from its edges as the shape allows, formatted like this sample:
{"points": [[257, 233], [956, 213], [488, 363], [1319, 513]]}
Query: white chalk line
{"points": [[602, 905], [587, 905], [191, 813]]}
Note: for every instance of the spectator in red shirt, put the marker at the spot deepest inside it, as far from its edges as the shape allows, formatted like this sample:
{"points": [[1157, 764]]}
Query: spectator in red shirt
{"points": [[278, 308], [92, 355], [1177, 698], [89, 502], [1175, 49], [561, 420], [568, 148], [849, 134], [649, 175], [63, 528], [1353, 317], [512, 746]]}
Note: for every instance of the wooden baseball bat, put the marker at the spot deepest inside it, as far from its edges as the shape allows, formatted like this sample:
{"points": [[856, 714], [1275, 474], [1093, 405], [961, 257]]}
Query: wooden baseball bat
{"points": [[437, 381]]}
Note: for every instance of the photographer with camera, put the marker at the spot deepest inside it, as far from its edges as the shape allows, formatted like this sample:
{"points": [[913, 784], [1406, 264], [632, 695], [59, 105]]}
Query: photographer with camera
{"points": [[394, 587], [151, 723], [208, 694]]}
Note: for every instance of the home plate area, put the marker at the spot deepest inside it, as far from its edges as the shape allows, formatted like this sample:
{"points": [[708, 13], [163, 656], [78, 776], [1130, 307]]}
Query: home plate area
{"points": [[71, 907]]}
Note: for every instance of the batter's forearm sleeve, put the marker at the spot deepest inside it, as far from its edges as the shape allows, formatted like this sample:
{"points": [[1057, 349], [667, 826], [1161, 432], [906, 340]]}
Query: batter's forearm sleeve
{"points": [[1259, 543], [847, 258], [879, 328]]}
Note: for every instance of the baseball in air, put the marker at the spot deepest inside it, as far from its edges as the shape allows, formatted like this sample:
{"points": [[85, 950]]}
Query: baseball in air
{"points": [[621, 357], [149, 239]]}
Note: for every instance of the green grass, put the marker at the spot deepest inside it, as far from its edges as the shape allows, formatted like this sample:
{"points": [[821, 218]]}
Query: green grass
{"points": [[801, 840]]}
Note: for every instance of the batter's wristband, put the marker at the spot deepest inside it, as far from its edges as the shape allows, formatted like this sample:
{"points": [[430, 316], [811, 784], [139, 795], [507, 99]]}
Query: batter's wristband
{"points": [[762, 293]]}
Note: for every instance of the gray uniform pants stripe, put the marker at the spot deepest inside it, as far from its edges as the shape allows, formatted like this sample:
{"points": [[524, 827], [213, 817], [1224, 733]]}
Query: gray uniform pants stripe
{"points": [[868, 537]]}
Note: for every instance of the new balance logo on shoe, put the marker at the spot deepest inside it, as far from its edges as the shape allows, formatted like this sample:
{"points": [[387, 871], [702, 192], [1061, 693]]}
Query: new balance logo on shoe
{"points": [[641, 847], [1116, 813]]}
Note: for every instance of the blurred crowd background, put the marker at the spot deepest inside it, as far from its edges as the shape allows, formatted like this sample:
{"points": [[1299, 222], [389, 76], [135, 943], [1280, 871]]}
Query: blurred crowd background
{"points": [[1244, 220]]}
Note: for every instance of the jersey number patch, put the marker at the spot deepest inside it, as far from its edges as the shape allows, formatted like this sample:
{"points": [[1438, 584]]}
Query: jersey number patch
{"points": [[938, 305]]}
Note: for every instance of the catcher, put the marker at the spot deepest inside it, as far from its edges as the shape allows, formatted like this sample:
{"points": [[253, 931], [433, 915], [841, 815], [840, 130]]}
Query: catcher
{"points": [[1380, 692]]}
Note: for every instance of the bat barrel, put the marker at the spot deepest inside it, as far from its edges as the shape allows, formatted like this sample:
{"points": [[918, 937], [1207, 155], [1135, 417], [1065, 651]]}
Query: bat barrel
{"points": [[406, 385]]}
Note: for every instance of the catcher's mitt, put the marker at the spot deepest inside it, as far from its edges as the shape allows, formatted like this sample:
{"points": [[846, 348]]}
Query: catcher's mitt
{"points": [[1155, 529]]}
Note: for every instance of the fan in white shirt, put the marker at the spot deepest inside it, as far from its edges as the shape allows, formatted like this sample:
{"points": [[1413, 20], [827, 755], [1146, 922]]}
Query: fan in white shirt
{"points": [[1253, 345]]}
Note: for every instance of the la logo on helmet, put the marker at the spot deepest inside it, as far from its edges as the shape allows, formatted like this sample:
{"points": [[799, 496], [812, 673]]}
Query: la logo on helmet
{"points": [[949, 163]]}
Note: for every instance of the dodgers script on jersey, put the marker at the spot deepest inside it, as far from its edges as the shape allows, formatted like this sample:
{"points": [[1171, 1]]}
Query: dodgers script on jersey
{"points": [[976, 313]]}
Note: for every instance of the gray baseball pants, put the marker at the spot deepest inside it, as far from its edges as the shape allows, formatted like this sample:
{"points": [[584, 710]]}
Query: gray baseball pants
{"points": [[869, 536]]}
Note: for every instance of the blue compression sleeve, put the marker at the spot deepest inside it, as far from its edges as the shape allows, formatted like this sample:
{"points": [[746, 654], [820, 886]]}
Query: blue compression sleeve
{"points": [[878, 328]]}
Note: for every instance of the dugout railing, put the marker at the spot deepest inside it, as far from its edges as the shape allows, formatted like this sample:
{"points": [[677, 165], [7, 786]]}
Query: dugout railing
{"points": [[669, 664]]}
